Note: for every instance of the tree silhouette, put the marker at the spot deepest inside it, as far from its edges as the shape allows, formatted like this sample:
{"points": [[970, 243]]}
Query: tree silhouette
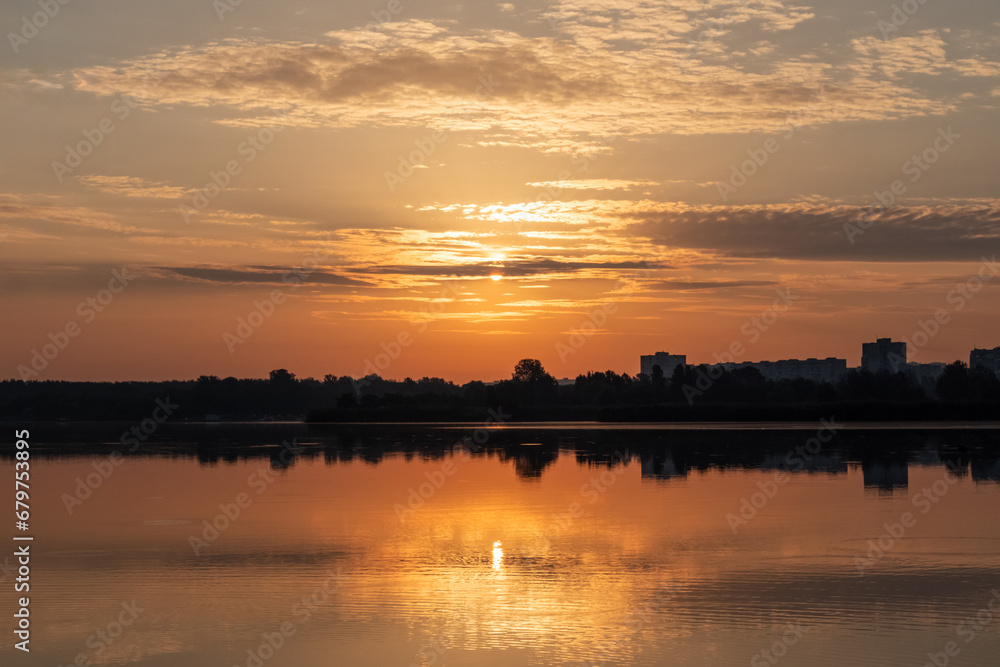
{"points": [[531, 370], [281, 376], [531, 384], [284, 392], [985, 385], [954, 383]]}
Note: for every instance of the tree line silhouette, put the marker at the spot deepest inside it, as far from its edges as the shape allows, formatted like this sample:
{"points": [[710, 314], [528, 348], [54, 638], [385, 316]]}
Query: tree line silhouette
{"points": [[690, 393]]}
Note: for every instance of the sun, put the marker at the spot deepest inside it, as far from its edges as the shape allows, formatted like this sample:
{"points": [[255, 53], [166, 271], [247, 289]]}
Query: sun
{"points": [[496, 277]]}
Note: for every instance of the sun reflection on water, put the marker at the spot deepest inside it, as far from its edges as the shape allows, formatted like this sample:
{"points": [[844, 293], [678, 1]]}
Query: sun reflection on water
{"points": [[497, 555]]}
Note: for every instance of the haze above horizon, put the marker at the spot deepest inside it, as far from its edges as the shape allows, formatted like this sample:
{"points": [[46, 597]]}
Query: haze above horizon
{"points": [[217, 188]]}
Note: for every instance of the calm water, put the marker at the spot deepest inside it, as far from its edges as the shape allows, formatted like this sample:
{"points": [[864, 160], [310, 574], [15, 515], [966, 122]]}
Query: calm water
{"points": [[548, 546]]}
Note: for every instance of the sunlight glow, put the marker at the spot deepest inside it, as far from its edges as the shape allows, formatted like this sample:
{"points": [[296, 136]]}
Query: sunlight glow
{"points": [[497, 555]]}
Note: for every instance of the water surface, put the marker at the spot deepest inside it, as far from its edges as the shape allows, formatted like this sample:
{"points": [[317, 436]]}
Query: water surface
{"points": [[547, 545]]}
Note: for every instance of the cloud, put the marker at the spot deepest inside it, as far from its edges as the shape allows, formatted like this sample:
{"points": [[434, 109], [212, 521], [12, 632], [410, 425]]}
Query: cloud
{"points": [[918, 54], [653, 21], [17, 209], [14, 235], [944, 232], [609, 69], [593, 184], [258, 275], [131, 186], [696, 285], [813, 228], [924, 53], [508, 268]]}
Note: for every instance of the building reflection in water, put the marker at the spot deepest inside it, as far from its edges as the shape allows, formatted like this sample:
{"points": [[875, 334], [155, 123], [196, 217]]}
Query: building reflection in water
{"points": [[663, 454], [888, 474], [661, 466], [986, 470]]}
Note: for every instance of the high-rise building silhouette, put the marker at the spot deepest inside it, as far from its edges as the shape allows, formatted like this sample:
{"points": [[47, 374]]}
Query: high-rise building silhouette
{"points": [[883, 355], [829, 370], [988, 359], [666, 361]]}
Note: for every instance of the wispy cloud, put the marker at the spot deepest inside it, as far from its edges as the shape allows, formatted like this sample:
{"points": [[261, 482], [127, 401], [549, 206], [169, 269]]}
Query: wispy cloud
{"points": [[52, 213], [593, 184], [637, 71], [509, 268], [131, 186]]}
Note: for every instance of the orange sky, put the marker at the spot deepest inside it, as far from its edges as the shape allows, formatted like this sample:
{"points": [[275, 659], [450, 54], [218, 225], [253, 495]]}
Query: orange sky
{"points": [[488, 181]]}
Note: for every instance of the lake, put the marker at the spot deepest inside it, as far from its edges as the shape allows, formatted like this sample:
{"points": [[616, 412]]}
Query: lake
{"points": [[550, 544]]}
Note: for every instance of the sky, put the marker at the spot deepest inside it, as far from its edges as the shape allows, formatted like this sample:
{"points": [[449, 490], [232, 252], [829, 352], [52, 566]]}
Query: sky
{"points": [[439, 188]]}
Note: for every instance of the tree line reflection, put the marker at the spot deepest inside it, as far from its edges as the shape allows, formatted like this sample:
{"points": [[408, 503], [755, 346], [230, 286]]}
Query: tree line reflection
{"points": [[884, 456]]}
